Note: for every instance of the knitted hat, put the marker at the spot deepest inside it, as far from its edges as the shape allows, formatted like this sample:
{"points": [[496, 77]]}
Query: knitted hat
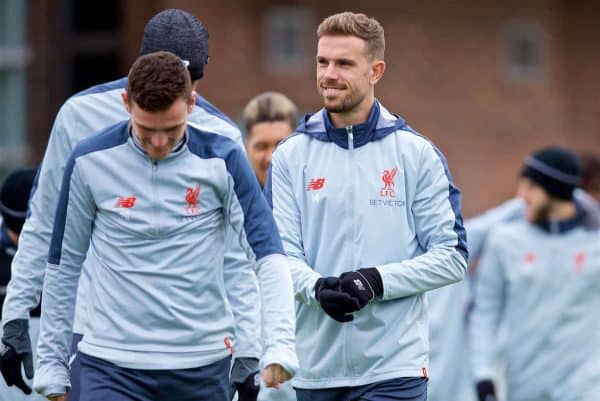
{"points": [[555, 169], [14, 197], [180, 33]]}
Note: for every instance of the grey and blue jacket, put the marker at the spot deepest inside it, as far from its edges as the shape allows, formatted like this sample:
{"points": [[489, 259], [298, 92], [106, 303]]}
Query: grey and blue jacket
{"points": [[156, 237], [543, 284], [370, 195], [80, 117], [449, 368]]}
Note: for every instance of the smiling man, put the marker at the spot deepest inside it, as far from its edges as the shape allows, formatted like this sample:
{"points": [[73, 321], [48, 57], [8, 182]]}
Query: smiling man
{"points": [[152, 198], [370, 220]]}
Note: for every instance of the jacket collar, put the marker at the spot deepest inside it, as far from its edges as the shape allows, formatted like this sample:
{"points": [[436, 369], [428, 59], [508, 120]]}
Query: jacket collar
{"points": [[379, 124], [177, 150], [563, 226]]}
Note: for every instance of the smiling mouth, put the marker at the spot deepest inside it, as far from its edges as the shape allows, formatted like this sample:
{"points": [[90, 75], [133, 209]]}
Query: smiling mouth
{"points": [[328, 91]]}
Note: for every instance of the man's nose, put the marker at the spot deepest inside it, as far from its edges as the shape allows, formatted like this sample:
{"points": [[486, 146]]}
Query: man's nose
{"points": [[159, 140]]}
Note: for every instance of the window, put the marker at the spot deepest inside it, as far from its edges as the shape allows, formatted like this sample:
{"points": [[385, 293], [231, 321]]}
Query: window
{"points": [[13, 61], [524, 51], [285, 38]]}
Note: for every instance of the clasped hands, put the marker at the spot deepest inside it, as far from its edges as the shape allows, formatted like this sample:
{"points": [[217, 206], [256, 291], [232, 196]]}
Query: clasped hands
{"points": [[341, 296]]}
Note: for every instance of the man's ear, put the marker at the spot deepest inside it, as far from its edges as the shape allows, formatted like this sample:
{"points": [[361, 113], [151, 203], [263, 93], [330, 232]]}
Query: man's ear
{"points": [[126, 101], [377, 70], [192, 102]]}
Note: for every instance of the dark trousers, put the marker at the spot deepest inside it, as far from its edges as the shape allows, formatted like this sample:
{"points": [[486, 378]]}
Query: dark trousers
{"points": [[104, 381], [402, 389]]}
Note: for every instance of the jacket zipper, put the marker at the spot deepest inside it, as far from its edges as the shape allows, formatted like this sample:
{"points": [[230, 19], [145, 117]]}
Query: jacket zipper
{"points": [[350, 325], [155, 212]]}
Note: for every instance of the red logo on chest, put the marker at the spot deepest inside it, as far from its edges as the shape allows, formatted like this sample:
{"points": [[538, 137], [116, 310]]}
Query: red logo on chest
{"points": [[529, 258], [388, 183], [315, 184], [126, 202], [579, 262], [191, 197]]}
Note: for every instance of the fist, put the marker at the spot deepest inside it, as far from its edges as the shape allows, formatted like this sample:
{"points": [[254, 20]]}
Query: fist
{"points": [[274, 375]]}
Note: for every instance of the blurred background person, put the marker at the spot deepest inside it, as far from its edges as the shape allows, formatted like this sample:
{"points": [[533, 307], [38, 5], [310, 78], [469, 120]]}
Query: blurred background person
{"points": [[451, 376], [268, 118], [540, 278], [14, 197]]}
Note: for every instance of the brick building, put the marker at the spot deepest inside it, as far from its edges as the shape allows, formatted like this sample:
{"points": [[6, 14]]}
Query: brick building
{"points": [[487, 81]]}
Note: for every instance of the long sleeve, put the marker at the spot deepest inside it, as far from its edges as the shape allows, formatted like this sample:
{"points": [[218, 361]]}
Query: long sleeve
{"points": [[29, 263], [489, 305], [250, 216], [243, 296], [73, 224], [438, 225], [287, 215]]}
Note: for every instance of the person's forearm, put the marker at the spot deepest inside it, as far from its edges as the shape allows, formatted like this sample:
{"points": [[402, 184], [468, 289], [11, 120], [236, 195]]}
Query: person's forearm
{"points": [[436, 268], [278, 312]]}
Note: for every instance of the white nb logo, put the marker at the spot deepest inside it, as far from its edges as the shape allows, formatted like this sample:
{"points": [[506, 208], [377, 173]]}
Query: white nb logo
{"points": [[359, 285]]}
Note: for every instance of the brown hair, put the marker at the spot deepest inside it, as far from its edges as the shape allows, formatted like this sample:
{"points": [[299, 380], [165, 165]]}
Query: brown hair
{"points": [[156, 80], [359, 25], [269, 107]]}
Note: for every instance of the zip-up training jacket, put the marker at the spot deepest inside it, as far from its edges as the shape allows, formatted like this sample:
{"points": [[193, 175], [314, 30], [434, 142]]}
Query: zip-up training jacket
{"points": [[370, 195], [155, 232], [543, 285], [80, 117]]}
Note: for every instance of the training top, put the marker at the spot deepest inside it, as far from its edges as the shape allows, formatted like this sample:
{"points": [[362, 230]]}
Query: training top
{"points": [[155, 232], [83, 115], [379, 195]]}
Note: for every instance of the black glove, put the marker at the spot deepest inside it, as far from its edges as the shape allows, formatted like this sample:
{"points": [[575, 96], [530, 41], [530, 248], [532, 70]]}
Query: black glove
{"points": [[362, 285], [336, 303], [16, 349], [486, 391], [245, 379]]}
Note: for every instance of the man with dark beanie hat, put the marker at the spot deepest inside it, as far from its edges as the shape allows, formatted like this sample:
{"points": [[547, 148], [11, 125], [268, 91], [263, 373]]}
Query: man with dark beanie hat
{"points": [[14, 196], [83, 115], [539, 278], [164, 31], [557, 170]]}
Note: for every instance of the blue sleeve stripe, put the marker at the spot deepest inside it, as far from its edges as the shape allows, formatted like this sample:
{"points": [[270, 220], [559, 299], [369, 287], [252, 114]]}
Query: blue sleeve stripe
{"points": [[211, 109], [110, 137], [259, 224], [60, 217], [105, 87], [455, 201]]}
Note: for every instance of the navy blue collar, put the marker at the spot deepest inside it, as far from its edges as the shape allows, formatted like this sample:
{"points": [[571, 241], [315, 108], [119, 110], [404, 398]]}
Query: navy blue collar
{"points": [[379, 124], [363, 133], [562, 226]]}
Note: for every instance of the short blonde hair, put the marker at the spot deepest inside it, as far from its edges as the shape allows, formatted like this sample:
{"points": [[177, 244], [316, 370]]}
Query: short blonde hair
{"points": [[269, 107], [359, 25]]}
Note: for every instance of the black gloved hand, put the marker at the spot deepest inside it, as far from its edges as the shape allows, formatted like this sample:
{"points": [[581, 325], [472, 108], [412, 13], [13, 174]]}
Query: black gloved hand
{"points": [[486, 391], [245, 379], [336, 303], [16, 350], [362, 285]]}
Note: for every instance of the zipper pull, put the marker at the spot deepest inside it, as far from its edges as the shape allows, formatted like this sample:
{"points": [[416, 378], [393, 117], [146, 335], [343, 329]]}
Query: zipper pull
{"points": [[350, 137]]}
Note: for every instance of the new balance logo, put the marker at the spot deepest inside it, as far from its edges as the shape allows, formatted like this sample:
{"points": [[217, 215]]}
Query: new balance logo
{"points": [[126, 202], [359, 285], [315, 184]]}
